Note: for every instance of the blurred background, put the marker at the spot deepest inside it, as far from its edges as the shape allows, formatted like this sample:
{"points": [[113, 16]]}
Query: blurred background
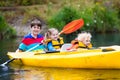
{"points": [[100, 16]]}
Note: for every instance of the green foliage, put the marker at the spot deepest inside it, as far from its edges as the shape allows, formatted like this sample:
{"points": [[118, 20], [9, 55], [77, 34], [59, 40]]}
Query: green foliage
{"points": [[3, 25], [105, 19], [99, 18], [116, 6], [9, 32], [25, 2], [64, 16], [88, 15], [5, 30]]}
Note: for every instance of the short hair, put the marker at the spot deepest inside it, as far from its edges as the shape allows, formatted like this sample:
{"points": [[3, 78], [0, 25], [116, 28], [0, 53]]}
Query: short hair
{"points": [[36, 22]]}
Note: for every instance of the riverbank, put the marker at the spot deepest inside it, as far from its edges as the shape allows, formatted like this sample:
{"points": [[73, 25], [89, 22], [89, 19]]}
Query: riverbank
{"points": [[98, 17], [24, 28]]}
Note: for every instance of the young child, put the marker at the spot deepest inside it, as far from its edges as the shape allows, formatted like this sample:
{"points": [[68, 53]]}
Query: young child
{"points": [[83, 40], [31, 41], [53, 40]]}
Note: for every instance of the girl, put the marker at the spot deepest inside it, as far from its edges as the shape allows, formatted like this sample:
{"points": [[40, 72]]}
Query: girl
{"points": [[83, 40], [52, 40]]}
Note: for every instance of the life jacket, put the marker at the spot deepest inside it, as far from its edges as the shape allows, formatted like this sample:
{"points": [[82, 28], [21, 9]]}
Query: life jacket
{"points": [[81, 44], [56, 43]]}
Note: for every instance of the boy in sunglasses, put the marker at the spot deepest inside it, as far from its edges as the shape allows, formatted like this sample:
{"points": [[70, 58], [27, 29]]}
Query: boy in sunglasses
{"points": [[34, 40]]}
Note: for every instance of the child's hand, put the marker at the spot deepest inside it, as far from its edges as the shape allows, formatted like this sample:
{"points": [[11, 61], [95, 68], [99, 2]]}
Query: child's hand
{"points": [[42, 41], [71, 49]]}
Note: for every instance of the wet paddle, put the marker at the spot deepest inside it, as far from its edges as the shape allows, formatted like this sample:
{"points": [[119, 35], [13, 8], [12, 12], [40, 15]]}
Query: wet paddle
{"points": [[8, 61]]}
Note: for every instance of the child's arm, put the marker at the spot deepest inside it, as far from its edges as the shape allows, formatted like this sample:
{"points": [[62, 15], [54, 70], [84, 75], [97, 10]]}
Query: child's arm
{"points": [[74, 46], [50, 47]]}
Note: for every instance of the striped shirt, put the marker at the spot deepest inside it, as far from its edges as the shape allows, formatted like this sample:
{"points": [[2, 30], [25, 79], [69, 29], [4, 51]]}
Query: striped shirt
{"points": [[29, 42]]}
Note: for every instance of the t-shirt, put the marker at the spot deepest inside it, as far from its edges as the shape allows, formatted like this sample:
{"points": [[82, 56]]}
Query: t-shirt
{"points": [[28, 42]]}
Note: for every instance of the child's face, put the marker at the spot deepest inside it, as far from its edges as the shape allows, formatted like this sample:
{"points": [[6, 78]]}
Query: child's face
{"points": [[54, 35], [87, 41], [35, 30]]}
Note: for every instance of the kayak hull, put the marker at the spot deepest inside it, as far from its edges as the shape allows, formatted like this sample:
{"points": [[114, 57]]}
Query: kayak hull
{"points": [[95, 59]]}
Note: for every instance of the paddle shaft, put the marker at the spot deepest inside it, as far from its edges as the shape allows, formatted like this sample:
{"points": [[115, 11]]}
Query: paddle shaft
{"points": [[33, 47], [8, 61]]}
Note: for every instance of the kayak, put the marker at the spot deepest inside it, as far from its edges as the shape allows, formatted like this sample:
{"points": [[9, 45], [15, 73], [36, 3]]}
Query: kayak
{"points": [[92, 58]]}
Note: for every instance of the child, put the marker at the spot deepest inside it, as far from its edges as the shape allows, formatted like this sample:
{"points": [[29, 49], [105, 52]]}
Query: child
{"points": [[32, 40], [52, 40], [83, 40]]}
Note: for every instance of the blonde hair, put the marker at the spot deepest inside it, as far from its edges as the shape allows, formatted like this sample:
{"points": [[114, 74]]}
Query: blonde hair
{"points": [[83, 35], [49, 33]]}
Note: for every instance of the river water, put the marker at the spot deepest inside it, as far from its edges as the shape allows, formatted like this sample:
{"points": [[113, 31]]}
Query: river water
{"points": [[18, 72]]}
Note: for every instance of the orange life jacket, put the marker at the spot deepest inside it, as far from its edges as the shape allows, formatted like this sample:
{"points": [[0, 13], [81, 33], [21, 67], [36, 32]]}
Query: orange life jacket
{"points": [[78, 44]]}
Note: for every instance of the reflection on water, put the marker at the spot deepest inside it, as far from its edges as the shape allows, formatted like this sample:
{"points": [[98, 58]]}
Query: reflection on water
{"points": [[17, 72], [37, 73], [5, 73]]}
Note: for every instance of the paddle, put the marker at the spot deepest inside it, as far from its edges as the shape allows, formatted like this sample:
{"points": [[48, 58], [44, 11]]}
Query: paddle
{"points": [[8, 61], [72, 26]]}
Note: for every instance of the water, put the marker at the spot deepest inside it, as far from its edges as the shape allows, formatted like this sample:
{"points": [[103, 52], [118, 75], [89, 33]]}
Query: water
{"points": [[36, 73], [18, 72], [106, 39]]}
